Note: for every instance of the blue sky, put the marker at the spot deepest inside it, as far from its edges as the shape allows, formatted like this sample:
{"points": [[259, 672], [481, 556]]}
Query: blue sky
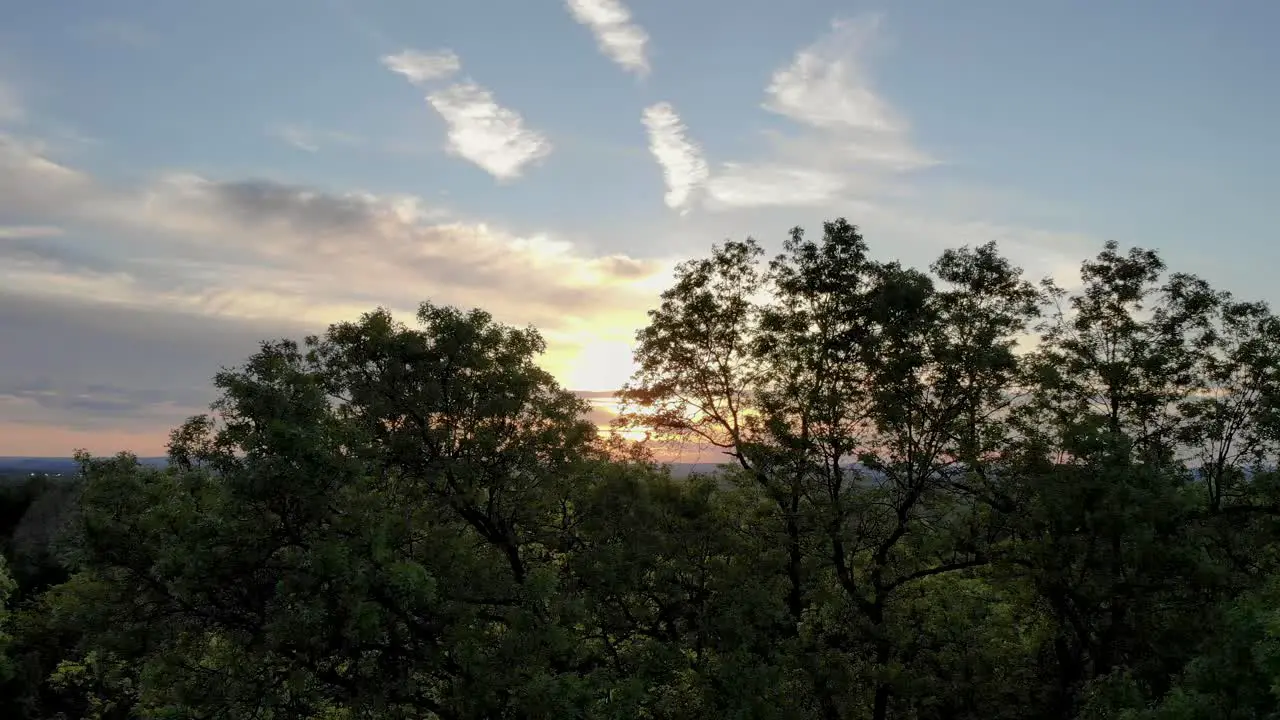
{"points": [[178, 180]]}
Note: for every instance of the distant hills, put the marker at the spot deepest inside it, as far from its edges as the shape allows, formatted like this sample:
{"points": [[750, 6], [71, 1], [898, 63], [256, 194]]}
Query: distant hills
{"points": [[55, 465]]}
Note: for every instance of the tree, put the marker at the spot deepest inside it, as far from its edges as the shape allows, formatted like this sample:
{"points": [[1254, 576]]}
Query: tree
{"points": [[844, 358], [1148, 401], [7, 588], [374, 523]]}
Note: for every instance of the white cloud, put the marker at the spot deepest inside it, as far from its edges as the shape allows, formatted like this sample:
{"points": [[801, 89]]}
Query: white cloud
{"points": [[827, 87], [480, 130], [618, 37], [422, 67], [489, 135], [683, 166], [826, 84], [850, 136], [744, 185]]}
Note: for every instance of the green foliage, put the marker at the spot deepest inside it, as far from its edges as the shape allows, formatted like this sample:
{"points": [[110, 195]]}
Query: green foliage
{"points": [[7, 589], [923, 515], [846, 358]]}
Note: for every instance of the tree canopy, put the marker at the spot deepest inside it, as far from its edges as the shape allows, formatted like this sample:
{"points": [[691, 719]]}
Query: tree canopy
{"points": [[948, 493]]}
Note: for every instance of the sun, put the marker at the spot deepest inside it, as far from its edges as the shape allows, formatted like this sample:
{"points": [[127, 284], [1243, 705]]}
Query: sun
{"points": [[598, 365]]}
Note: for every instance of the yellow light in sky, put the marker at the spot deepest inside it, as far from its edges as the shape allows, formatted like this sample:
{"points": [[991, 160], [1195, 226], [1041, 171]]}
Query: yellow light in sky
{"points": [[595, 365]]}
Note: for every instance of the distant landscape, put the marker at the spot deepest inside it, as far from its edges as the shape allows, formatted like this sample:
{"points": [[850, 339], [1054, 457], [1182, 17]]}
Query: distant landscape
{"points": [[18, 466], [23, 466]]}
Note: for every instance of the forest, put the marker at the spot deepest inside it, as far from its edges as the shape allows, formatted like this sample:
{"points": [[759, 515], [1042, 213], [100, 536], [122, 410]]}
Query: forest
{"points": [[955, 492]]}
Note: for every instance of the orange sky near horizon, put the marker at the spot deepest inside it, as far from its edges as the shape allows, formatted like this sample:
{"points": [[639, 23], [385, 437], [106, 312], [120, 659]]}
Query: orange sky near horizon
{"points": [[43, 440], [19, 440], [578, 361], [26, 440]]}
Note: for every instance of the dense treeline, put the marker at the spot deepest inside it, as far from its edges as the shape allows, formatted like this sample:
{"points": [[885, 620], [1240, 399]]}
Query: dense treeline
{"points": [[949, 494]]}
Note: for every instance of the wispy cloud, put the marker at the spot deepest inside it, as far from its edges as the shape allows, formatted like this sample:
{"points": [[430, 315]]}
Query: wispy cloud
{"points": [[848, 131], [96, 404], [826, 85], [618, 37], [31, 182], [11, 107], [491, 136], [310, 139], [760, 185], [26, 232], [420, 67], [683, 166]]}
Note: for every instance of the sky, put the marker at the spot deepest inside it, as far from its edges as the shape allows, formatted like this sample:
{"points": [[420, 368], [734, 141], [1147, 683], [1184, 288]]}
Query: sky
{"points": [[179, 181]]}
